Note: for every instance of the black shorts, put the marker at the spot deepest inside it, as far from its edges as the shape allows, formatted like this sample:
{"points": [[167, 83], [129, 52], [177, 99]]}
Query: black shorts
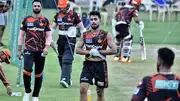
{"points": [[96, 70], [123, 30]]}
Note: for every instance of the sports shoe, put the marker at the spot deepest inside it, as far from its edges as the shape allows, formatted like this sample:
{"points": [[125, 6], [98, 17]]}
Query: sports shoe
{"points": [[124, 60], [129, 61], [35, 99], [26, 96], [64, 84], [116, 59]]}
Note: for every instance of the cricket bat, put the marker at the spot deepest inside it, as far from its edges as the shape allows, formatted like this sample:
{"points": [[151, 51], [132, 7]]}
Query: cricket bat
{"points": [[143, 46]]}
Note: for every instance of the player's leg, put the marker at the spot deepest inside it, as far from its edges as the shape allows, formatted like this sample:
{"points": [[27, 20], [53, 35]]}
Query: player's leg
{"points": [[117, 56], [2, 28], [126, 41], [67, 60], [101, 79], [3, 24], [28, 64], [52, 45], [100, 94], [83, 91], [118, 39], [85, 79], [120, 33], [60, 48], [39, 67], [127, 47]]}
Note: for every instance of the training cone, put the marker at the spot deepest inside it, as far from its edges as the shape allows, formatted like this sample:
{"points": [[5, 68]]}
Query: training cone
{"points": [[89, 94]]}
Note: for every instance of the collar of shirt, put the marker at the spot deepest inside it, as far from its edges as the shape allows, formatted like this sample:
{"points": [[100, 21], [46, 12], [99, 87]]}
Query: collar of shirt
{"points": [[165, 73]]}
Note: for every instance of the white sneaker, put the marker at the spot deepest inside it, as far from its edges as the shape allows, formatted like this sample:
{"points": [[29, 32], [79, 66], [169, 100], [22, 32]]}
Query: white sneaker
{"points": [[26, 96], [64, 84], [35, 99], [116, 59]]}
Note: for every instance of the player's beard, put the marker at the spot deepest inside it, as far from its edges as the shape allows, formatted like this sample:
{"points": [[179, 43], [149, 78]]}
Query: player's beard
{"points": [[63, 11], [94, 27], [36, 11], [158, 65]]}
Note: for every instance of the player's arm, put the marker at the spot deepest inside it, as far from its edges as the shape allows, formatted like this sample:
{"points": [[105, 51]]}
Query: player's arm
{"points": [[21, 38], [81, 27], [136, 17], [111, 45], [53, 27], [79, 47], [53, 47], [5, 82], [48, 37], [54, 24], [139, 23], [20, 42], [3, 77], [79, 23], [140, 91]]}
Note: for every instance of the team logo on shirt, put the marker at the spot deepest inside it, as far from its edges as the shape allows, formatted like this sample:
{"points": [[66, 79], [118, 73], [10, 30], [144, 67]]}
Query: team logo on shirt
{"points": [[30, 24], [59, 19], [100, 83], [88, 40], [167, 84]]}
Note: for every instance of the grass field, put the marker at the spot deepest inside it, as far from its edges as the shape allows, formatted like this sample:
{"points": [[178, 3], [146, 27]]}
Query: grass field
{"points": [[123, 78]]}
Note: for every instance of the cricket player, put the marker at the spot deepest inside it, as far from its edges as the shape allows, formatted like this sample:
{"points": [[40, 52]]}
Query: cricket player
{"points": [[5, 56], [124, 39], [67, 21], [163, 86], [4, 7], [95, 41], [36, 30]]}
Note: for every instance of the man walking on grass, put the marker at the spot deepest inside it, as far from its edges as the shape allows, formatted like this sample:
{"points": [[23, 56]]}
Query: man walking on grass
{"points": [[95, 41], [36, 30]]}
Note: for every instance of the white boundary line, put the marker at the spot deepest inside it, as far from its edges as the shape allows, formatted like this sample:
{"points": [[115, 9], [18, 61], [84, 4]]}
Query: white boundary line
{"points": [[170, 32]]}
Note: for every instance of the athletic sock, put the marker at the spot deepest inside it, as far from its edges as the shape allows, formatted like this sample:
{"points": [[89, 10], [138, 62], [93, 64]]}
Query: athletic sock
{"points": [[27, 83], [37, 86]]}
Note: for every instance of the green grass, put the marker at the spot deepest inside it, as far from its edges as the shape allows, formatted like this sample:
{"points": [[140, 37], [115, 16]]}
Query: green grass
{"points": [[123, 78]]}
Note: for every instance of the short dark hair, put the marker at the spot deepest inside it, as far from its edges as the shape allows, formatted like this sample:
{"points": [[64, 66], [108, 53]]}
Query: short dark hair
{"points": [[37, 1], [167, 56], [97, 13]]}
